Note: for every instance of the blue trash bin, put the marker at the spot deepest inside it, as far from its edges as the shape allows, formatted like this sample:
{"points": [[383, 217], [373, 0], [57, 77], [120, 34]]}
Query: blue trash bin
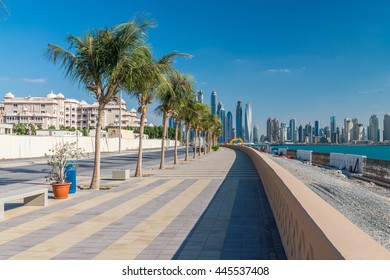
{"points": [[70, 176]]}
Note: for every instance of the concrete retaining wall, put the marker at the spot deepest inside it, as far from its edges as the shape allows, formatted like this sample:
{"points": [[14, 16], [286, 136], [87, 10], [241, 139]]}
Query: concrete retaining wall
{"points": [[15, 146], [304, 155], [353, 163], [309, 227], [321, 158], [377, 169]]}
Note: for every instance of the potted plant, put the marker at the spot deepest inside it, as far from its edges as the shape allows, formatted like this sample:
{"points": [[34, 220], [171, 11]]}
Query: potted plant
{"points": [[59, 161]]}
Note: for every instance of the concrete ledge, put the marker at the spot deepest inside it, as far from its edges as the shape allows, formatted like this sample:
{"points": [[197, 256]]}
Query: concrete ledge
{"points": [[30, 196], [120, 174], [309, 227]]}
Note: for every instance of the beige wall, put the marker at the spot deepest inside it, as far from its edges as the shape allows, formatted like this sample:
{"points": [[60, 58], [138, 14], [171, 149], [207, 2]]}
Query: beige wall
{"points": [[15, 146], [309, 227]]}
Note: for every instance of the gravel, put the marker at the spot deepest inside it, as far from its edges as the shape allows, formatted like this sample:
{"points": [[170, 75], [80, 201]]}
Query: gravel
{"points": [[363, 203]]}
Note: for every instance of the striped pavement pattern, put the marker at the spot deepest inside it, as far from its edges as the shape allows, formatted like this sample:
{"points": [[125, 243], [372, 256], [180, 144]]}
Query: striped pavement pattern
{"points": [[210, 208]]}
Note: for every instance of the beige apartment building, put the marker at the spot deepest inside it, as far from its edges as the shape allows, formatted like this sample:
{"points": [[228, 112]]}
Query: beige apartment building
{"points": [[56, 110]]}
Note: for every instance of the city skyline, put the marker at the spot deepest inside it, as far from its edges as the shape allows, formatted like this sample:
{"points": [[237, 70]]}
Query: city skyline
{"points": [[289, 59]]}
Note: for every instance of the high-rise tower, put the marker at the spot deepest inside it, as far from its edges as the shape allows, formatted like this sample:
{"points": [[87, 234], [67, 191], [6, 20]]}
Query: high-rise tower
{"points": [[222, 117], [333, 128], [200, 97], [386, 127], [293, 129], [316, 128], [248, 123], [239, 120], [256, 136], [373, 128], [213, 103], [347, 130], [229, 126]]}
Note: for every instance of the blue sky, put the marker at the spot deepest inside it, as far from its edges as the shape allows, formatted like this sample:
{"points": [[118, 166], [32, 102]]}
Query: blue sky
{"points": [[303, 59]]}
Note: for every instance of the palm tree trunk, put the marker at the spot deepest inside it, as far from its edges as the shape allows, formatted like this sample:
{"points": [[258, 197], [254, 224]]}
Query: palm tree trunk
{"points": [[204, 143], [198, 133], [95, 182], [165, 120], [187, 142], [210, 141], [195, 144], [176, 138], [138, 170]]}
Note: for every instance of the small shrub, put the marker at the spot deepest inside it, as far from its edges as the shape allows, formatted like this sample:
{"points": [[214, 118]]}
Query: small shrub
{"points": [[215, 147]]}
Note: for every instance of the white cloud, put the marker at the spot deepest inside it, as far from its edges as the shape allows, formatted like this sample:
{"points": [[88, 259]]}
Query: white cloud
{"points": [[238, 60], [278, 71], [372, 91], [34, 81], [2, 79]]}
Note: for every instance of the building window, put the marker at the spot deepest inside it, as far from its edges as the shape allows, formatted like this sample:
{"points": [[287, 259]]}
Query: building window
{"points": [[43, 106], [109, 110], [42, 112], [15, 105]]}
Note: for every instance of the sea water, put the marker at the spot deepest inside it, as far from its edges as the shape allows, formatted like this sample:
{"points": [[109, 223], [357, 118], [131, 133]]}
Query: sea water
{"points": [[371, 151]]}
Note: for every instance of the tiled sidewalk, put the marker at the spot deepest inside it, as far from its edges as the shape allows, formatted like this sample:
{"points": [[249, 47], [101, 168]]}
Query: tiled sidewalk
{"points": [[211, 208]]}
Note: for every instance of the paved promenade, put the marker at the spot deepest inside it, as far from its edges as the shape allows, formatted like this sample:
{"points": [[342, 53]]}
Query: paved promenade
{"points": [[212, 208]]}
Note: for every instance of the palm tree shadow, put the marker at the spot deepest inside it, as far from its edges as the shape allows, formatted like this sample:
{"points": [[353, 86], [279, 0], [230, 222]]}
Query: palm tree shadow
{"points": [[238, 222]]}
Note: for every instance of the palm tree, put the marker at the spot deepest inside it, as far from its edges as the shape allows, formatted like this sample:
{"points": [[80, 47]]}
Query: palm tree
{"points": [[201, 112], [170, 99], [101, 61], [215, 130], [180, 105], [188, 114], [211, 122], [148, 78]]}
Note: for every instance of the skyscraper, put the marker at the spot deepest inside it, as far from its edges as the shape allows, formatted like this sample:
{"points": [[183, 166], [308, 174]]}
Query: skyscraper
{"points": [[355, 129], [256, 137], [248, 123], [309, 133], [222, 117], [347, 130], [300, 134], [229, 126], [333, 128], [213, 103], [316, 128], [293, 129], [239, 120], [283, 133], [386, 127], [273, 131], [373, 128], [200, 97]]}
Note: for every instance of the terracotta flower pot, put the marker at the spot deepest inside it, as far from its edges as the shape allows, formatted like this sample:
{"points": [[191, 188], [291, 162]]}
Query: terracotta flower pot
{"points": [[61, 190]]}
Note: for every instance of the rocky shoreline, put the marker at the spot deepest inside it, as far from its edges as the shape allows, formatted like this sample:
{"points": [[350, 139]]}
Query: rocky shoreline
{"points": [[363, 203]]}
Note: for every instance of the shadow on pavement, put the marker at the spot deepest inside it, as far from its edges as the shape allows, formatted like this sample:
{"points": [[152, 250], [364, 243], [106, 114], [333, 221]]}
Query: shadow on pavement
{"points": [[238, 223]]}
